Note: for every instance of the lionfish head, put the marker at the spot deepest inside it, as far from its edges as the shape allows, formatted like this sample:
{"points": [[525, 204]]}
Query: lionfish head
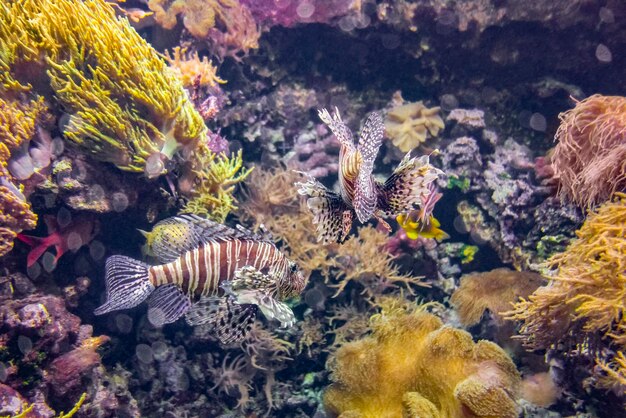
{"points": [[293, 283]]}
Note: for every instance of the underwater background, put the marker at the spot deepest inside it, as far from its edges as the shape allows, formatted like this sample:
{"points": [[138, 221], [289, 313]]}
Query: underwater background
{"points": [[499, 290]]}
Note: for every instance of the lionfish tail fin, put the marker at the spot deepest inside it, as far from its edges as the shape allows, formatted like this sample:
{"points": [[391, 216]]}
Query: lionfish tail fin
{"points": [[328, 210], [370, 141], [408, 186], [127, 284]]}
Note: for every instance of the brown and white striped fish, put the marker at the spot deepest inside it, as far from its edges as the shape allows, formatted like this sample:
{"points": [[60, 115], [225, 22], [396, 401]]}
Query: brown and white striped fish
{"points": [[210, 273], [359, 193]]}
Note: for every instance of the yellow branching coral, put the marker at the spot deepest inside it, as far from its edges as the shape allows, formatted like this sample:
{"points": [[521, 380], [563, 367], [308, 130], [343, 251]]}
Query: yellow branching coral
{"points": [[409, 125], [414, 366], [190, 69], [587, 294], [589, 157], [216, 177], [226, 23], [495, 290], [124, 104]]}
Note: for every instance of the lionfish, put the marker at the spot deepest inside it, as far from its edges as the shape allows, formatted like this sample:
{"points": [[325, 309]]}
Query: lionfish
{"points": [[360, 194], [210, 273]]}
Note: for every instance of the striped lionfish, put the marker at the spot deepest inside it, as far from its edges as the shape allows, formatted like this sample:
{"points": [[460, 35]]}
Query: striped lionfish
{"points": [[360, 194], [210, 273]]}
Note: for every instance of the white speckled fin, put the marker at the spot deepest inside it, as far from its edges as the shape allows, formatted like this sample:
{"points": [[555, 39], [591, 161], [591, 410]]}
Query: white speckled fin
{"points": [[328, 210], [365, 194], [229, 320], [270, 307], [338, 127], [166, 304]]}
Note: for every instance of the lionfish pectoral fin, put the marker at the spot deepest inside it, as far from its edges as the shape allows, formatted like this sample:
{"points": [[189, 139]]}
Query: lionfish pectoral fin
{"points": [[127, 284], [327, 208], [229, 320], [338, 127], [407, 186], [346, 223], [249, 278], [166, 304], [269, 306], [370, 140]]}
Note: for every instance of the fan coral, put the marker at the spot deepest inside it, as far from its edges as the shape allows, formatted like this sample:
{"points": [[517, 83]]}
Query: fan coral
{"points": [[215, 180], [414, 366], [409, 125], [589, 156], [124, 105], [495, 290], [227, 24], [587, 294], [189, 68]]}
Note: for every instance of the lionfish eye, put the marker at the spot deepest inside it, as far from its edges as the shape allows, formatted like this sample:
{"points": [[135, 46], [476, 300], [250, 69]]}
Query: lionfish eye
{"points": [[293, 268]]}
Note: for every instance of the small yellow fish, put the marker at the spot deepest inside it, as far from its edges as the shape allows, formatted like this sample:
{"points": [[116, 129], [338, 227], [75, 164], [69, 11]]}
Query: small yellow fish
{"points": [[417, 228]]}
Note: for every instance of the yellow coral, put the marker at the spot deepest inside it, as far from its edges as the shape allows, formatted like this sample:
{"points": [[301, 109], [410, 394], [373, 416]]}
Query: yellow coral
{"points": [[588, 291], [204, 19], [409, 125], [125, 105], [18, 120], [216, 177], [414, 366], [495, 290], [189, 68]]}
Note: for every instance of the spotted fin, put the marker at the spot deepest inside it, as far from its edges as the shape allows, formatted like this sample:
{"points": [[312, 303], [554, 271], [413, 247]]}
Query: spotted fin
{"points": [[175, 236], [328, 210], [407, 187], [369, 143], [338, 127], [228, 320], [166, 304], [269, 306], [247, 277]]}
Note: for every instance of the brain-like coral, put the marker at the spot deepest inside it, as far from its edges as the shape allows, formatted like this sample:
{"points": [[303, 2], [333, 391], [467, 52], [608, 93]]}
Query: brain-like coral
{"points": [[414, 366], [589, 156], [409, 125]]}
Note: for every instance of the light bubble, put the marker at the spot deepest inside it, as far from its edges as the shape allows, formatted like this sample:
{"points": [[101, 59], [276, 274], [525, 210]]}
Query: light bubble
{"points": [[390, 41], [477, 238], [58, 146], [25, 344], [120, 201], [48, 261], [124, 323], [159, 350], [64, 217], [524, 118], [448, 102], [282, 4], [538, 122], [97, 250], [3, 372], [96, 193], [156, 316], [606, 15], [74, 241], [347, 24], [305, 10], [363, 21], [489, 95], [34, 271], [459, 225], [603, 53], [144, 353], [154, 165]]}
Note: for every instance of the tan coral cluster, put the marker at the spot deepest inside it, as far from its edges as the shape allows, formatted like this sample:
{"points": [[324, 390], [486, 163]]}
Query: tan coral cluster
{"points": [[190, 69], [587, 294], [410, 125], [227, 23], [414, 366], [494, 290]]}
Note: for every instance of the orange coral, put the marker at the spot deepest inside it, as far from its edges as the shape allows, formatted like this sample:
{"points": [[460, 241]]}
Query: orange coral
{"points": [[190, 69], [226, 23], [589, 157], [414, 366], [409, 125], [495, 290], [587, 294]]}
